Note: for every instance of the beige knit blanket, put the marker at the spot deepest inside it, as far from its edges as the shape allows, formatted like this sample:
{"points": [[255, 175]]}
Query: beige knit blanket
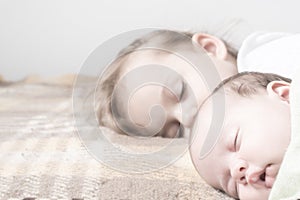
{"points": [[42, 157]]}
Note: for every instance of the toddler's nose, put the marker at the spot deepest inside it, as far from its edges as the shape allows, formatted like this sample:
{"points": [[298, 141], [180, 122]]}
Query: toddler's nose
{"points": [[185, 116], [238, 171]]}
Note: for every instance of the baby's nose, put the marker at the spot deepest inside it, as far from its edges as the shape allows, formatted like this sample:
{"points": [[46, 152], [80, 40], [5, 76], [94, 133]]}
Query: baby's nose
{"points": [[238, 171], [254, 174]]}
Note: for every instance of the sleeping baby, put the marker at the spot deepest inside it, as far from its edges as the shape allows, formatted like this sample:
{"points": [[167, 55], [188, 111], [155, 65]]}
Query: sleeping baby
{"points": [[243, 157]]}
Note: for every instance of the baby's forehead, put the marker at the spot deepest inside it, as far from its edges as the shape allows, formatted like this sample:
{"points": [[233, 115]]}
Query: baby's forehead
{"points": [[202, 125], [210, 119], [205, 142]]}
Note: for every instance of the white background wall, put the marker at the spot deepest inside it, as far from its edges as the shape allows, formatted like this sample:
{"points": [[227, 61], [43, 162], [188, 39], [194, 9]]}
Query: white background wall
{"points": [[52, 37]]}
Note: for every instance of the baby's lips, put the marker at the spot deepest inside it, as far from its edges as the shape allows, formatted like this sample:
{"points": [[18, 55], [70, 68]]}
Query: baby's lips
{"points": [[272, 170], [269, 181], [271, 173]]}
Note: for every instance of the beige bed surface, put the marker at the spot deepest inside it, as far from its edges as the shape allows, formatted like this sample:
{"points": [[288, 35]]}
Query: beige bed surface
{"points": [[42, 156]]}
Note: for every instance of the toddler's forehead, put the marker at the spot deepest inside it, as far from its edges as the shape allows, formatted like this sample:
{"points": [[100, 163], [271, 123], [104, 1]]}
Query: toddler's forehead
{"points": [[143, 57]]}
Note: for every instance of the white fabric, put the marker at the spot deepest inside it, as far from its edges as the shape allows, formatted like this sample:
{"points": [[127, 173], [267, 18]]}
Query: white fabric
{"points": [[270, 52], [279, 53], [287, 184]]}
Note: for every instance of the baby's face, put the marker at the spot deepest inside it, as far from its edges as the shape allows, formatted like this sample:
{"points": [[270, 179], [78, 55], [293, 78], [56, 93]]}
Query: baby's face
{"points": [[180, 101], [252, 141]]}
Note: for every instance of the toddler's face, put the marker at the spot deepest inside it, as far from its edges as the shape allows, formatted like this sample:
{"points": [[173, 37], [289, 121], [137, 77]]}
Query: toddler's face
{"points": [[252, 141], [172, 100], [179, 102]]}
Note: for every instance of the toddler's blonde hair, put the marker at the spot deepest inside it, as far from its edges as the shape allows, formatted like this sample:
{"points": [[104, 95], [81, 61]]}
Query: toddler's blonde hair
{"points": [[165, 38]]}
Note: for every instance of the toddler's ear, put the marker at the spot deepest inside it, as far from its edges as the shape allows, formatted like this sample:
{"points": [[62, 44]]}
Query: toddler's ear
{"points": [[211, 44], [279, 89]]}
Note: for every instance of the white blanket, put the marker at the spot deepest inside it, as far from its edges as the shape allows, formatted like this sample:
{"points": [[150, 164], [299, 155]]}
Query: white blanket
{"points": [[270, 52], [287, 184]]}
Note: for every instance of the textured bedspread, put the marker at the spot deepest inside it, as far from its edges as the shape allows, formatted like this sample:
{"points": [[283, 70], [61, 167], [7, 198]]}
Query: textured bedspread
{"points": [[42, 157]]}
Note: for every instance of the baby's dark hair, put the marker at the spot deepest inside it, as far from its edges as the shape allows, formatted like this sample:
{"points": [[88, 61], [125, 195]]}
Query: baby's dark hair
{"points": [[248, 83]]}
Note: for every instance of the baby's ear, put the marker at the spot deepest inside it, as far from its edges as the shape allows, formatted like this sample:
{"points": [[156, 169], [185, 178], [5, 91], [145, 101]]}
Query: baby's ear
{"points": [[279, 89], [211, 44]]}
